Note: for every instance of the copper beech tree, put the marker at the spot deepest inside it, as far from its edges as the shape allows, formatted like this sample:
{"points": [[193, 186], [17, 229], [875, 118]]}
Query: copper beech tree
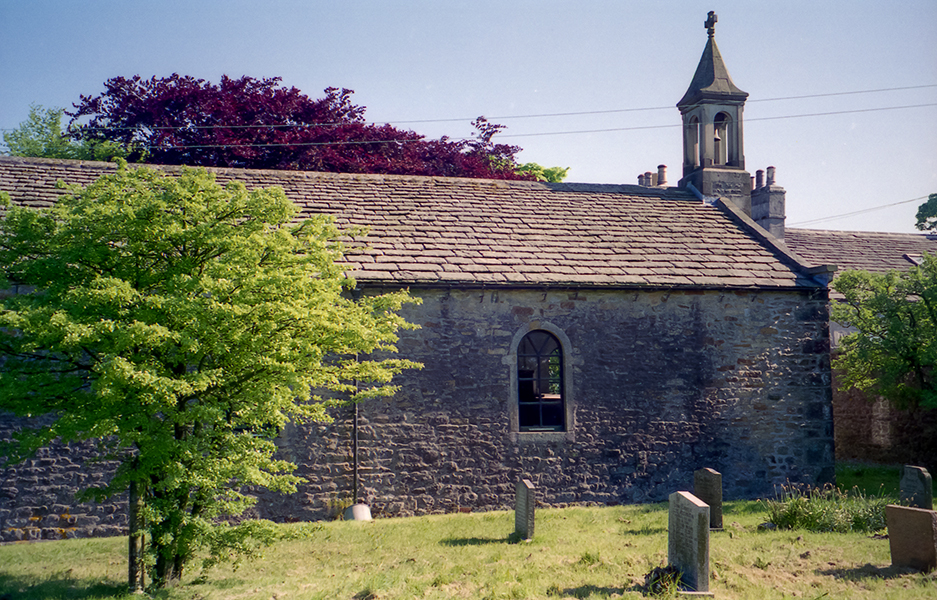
{"points": [[181, 325], [260, 124]]}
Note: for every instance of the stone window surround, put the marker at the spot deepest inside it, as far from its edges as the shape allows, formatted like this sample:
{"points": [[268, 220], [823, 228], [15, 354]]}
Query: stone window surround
{"points": [[510, 361]]}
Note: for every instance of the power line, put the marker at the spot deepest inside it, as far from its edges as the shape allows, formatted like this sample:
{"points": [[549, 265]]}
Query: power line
{"points": [[858, 212], [528, 116], [822, 114], [670, 107], [538, 134]]}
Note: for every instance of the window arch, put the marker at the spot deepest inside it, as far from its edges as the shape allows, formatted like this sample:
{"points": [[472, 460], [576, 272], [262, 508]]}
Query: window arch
{"points": [[540, 386]]}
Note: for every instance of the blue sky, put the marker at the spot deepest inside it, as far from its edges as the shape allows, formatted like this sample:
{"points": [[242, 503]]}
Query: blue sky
{"points": [[434, 65]]}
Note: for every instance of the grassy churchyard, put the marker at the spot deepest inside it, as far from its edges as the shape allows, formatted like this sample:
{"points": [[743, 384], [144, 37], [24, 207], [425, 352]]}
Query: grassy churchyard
{"points": [[597, 552]]}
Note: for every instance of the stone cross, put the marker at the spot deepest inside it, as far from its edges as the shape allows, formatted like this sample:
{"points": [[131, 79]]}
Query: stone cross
{"points": [[688, 540], [710, 23], [524, 509], [917, 488]]}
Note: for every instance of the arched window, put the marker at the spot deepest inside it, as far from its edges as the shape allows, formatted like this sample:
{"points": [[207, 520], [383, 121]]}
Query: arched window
{"points": [[540, 400], [721, 139]]}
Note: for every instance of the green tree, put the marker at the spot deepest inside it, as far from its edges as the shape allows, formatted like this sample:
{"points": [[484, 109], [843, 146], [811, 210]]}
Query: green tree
{"points": [[41, 135], [893, 353], [182, 324], [927, 214], [541, 173]]}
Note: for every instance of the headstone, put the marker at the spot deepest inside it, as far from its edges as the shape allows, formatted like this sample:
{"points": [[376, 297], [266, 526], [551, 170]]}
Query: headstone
{"points": [[358, 512], [912, 537], [707, 486], [524, 509], [917, 488], [688, 539]]}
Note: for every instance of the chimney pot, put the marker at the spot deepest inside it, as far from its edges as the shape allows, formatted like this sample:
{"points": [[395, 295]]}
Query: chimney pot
{"points": [[770, 175], [641, 179], [759, 179], [661, 174]]}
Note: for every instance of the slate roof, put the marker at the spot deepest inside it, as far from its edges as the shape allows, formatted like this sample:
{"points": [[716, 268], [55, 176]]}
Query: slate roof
{"points": [[435, 230], [865, 250], [711, 80]]}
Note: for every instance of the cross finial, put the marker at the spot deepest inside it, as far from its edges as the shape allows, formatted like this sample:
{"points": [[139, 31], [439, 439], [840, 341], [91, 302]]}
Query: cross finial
{"points": [[710, 23]]}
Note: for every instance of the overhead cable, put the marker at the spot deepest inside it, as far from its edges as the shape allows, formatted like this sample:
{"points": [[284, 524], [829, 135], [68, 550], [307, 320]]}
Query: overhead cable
{"points": [[854, 213]]}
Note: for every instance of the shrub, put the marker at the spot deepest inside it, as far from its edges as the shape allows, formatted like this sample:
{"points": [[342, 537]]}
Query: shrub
{"points": [[827, 509]]}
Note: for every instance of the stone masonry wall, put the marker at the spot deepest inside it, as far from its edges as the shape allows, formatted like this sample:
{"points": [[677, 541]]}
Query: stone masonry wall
{"points": [[871, 430], [661, 384], [38, 497]]}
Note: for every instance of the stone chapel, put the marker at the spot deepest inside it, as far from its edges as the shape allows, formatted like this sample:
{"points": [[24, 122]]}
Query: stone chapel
{"points": [[602, 341]]}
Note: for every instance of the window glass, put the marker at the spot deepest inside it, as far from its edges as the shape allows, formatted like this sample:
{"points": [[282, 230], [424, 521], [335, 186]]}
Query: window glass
{"points": [[540, 383]]}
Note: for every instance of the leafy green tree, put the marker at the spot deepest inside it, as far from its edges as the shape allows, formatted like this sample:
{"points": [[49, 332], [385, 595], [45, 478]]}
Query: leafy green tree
{"points": [[41, 135], [541, 173], [182, 324], [893, 353], [927, 214]]}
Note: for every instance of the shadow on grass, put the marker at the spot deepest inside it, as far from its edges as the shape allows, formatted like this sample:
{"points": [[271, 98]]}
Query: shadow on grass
{"points": [[584, 591], [868, 571], [644, 531], [21, 588], [477, 541]]}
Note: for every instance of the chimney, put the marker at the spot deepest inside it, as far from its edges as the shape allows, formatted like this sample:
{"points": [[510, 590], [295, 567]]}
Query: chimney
{"points": [[768, 204]]}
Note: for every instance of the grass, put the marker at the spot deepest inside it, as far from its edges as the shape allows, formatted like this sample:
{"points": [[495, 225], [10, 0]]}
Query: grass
{"points": [[827, 509], [581, 553], [871, 479]]}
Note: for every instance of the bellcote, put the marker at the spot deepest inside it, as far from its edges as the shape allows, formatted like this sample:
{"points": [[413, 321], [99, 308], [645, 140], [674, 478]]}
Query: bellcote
{"points": [[711, 108]]}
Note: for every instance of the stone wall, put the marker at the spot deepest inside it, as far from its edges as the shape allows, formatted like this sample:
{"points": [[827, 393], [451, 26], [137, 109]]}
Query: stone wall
{"points": [[38, 498], [660, 384], [869, 429], [663, 383]]}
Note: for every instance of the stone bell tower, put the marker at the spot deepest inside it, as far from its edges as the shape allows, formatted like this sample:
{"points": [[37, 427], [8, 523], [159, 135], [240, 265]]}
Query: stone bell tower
{"points": [[713, 157]]}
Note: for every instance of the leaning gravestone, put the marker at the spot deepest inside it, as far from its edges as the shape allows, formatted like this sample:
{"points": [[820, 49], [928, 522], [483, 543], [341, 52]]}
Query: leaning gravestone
{"points": [[917, 488], [688, 540], [707, 486], [524, 510], [912, 537]]}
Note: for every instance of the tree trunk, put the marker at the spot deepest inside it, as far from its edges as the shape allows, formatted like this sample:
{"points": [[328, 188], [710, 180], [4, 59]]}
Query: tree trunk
{"points": [[136, 575]]}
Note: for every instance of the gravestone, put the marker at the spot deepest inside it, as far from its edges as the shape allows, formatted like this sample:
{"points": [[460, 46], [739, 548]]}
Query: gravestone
{"points": [[912, 537], [524, 509], [917, 488], [707, 486], [358, 512], [688, 540]]}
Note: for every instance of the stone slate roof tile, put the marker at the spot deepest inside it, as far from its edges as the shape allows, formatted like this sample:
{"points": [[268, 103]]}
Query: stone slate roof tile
{"points": [[435, 230], [877, 252]]}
